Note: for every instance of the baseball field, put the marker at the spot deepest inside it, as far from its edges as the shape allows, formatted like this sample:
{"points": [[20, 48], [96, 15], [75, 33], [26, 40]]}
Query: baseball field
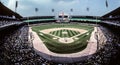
{"points": [[64, 38]]}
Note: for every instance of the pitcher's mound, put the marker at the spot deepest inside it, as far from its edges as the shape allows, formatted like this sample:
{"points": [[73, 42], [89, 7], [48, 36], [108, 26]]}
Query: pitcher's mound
{"points": [[66, 40]]}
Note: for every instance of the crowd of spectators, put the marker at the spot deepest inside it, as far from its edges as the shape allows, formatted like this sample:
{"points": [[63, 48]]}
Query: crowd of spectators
{"points": [[7, 23], [17, 49], [107, 55], [113, 22]]}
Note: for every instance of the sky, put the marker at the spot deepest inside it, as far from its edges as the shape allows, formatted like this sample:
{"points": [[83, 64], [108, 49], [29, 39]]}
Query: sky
{"points": [[96, 7]]}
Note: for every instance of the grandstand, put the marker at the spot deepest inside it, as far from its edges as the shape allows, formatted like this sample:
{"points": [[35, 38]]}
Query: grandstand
{"points": [[7, 13], [19, 45]]}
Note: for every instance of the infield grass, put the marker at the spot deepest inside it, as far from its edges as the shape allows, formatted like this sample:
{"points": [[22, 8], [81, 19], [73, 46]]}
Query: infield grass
{"points": [[58, 47]]}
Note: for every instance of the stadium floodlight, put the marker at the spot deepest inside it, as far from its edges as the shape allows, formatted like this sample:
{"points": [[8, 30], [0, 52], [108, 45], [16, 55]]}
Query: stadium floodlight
{"points": [[71, 10], [16, 5], [106, 3]]}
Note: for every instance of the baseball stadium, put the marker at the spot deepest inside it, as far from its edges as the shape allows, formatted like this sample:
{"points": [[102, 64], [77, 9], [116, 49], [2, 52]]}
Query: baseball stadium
{"points": [[67, 35]]}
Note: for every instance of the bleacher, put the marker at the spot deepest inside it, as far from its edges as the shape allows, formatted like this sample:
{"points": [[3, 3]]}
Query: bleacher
{"points": [[6, 12], [8, 17], [18, 50]]}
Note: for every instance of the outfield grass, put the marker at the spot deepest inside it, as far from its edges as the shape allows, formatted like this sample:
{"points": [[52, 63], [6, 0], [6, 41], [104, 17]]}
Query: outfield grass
{"points": [[42, 27], [58, 47]]}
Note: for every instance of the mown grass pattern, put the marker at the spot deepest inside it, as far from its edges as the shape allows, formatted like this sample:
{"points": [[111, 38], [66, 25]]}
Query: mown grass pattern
{"points": [[70, 33], [58, 47]]}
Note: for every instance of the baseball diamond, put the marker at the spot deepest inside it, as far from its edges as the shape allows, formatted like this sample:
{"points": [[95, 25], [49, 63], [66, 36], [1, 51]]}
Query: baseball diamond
{"points": [[70, 36]]}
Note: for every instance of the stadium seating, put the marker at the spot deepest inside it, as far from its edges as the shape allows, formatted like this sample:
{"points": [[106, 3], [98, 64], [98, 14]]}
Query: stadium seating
{"points": [[7, 21], [115, 23], [17, 49]]}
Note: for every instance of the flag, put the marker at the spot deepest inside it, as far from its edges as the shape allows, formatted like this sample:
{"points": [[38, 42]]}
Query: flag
{"points": [[106, 3], [53, 10], [16, 4], [71, 10], [87, 8], [36, 9]]}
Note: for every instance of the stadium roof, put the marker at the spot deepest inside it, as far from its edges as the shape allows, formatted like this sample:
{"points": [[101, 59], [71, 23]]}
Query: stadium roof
{"points": [[4, 11], [115, 12]]}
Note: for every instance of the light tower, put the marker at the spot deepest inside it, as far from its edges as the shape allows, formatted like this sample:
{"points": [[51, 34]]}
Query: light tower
{"points": [[16, 5]]}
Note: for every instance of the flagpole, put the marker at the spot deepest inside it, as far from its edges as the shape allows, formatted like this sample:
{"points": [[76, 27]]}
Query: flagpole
{"points": [[71, 10], [53, 11], [28, 21]]}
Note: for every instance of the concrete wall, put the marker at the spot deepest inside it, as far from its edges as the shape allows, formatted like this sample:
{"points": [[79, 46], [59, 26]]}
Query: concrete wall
{"points": [[101, 38]]}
